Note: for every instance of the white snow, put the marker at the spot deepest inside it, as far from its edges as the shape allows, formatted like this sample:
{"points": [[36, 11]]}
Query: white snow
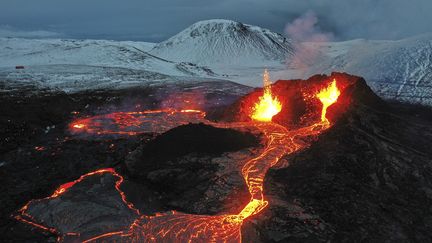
{"points": [[131, 55]]}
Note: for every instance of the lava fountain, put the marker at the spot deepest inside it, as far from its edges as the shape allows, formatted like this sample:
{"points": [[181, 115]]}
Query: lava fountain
{"points": [[328, 96], [267, 105]]}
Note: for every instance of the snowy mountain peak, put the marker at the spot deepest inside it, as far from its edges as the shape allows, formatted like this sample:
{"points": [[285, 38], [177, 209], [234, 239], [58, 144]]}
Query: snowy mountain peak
{"points": [[210, 22], [224, 41], [214, 25]]}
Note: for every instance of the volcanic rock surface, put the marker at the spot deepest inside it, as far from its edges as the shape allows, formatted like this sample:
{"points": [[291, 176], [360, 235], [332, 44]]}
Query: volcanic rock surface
{"points": [[195, 168], [91, 207]]}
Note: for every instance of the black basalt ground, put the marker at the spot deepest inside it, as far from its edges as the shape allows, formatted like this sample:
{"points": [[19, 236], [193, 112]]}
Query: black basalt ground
{"points": [[195, 138], [186, 165]]}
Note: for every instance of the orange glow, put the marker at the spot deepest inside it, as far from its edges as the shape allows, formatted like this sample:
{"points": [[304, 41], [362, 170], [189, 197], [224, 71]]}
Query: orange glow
{"points": [[191, 111], [328, 96], [103, 236], [267, 106], [78, 126], [253, 207], [36, 225]]}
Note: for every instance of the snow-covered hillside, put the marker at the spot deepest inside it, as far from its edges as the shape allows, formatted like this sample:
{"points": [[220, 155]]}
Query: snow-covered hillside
{"points": [[217, 41], [394, 69], [132, 55]]}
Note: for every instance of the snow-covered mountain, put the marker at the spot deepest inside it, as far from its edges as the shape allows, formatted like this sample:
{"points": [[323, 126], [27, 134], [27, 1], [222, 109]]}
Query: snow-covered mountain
{"points": [[217, 41]]}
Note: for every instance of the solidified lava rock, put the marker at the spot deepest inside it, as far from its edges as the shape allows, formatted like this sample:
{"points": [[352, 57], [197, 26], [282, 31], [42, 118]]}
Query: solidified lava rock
{"points": [[366, 179], [196, 138], [91, 207], [195, 168]]}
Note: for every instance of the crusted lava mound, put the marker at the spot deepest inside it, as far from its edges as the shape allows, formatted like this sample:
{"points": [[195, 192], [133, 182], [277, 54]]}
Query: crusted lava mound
{"points": [[194, 168], [195, 138], [367, 179]]}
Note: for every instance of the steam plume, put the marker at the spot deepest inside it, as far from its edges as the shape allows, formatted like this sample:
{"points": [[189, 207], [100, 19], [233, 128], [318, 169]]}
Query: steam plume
{"points": [[306, 36]]}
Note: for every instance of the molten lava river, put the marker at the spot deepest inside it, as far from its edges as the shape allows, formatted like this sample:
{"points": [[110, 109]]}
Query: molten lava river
{"points": [[176, 226]]}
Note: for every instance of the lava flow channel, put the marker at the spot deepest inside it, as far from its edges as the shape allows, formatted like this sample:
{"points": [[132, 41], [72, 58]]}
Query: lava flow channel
{"points": [[180, 227]]}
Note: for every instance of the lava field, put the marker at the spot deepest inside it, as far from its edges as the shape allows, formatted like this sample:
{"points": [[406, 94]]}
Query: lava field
{"points": [[315, 160]]}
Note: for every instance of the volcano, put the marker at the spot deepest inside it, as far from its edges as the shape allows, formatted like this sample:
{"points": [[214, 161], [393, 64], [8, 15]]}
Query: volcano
{"points": [[359, 174], [366, 179]]}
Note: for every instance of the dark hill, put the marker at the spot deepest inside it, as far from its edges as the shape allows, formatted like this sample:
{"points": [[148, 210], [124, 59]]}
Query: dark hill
{"points": [[195, 138], [186, 166]]}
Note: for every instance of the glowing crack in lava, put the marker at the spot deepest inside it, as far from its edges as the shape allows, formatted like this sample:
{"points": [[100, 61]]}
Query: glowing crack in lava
{"points": [[267, 105], [328, 96], [176, 226]]}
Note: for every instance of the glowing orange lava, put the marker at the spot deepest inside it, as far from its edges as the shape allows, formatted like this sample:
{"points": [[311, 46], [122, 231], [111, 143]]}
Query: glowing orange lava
{"points": [[136, 122], [328, 96], [175, 226], [78, 126], [267, 106]]}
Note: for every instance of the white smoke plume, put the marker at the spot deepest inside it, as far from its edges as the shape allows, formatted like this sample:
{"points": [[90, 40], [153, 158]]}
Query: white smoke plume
{"points": [[306, 37]]}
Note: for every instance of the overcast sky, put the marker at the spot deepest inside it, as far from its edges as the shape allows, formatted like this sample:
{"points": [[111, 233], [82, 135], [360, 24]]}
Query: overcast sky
{"points": [[156, 20]]}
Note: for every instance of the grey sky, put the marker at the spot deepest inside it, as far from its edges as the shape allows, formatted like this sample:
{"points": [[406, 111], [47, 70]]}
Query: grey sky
{"points": [[156, 20]]}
